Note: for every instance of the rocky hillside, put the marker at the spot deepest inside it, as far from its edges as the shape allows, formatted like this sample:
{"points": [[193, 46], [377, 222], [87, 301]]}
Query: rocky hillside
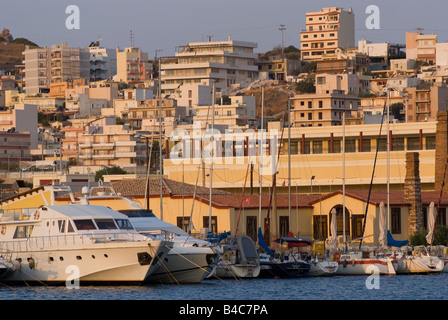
{"points": [[275, 96]]}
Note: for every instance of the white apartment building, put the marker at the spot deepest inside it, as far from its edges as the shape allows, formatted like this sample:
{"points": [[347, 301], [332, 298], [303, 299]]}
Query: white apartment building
{"points": [[103, 62], [327, 30], [59, 63], [227, 63], [240, 113]]}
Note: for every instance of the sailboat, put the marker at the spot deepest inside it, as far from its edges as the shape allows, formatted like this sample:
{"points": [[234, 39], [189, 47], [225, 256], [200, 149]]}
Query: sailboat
{"points": [[285, 263], [419, 260], [239, 258], [362, 261]]}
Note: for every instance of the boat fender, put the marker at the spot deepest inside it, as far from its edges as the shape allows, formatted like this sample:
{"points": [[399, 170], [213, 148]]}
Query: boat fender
{"points": [[344, 264], [31, 263], [336, 256], [417, 253]]}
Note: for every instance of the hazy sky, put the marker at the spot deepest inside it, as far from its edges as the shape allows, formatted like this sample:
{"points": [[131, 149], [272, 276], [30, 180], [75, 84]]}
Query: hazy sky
{"points": [[164, 25]]}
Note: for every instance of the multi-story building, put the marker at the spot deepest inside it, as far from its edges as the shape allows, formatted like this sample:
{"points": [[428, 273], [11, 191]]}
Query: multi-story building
{"points": [[310, 110], [133, 66], [424, 102], [277, 67], [103, 62], [112, 145], [327, 30], [14, 146], [239, 113], [228, 64], [21, 118], [59, 63], [343, 61], [421, 47]]}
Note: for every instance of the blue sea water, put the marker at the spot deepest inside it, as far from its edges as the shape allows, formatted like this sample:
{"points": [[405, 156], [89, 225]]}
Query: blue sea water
{"points": [[400, 287]]}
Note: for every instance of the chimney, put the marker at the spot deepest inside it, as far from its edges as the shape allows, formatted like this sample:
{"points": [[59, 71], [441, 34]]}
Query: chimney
{"points": [[413, 192], [441, 149]]}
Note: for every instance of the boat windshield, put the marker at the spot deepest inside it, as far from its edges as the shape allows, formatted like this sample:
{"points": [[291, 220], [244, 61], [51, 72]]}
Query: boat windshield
{"points": [[137, 213], [124, 224], [84, 224], [105, 224]]}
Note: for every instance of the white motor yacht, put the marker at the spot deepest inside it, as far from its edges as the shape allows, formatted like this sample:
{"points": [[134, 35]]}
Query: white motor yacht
{"points": [[85, 243], [189, 261]]}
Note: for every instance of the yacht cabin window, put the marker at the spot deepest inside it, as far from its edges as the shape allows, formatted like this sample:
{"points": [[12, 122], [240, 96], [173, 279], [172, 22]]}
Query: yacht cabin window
{"points": [[23, 232], [105, 224], [84, 224], [124, 224], [61, 226]]}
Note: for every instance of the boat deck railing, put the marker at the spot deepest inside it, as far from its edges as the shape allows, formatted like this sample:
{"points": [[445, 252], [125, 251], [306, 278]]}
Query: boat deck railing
{"points": [[70, 241]]}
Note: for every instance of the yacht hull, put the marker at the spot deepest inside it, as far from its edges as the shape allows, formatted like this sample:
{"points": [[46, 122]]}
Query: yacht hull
{"points": [[121, 262], [424, 264], [185, 265], [367, 267]]}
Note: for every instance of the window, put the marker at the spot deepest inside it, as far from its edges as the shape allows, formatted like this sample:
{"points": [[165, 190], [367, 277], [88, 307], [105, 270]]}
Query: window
{"points": [[105, 224], [430, 143], [413, 143], [320, 227], [350, 145], [183, 223], [310, 116], [395, 220], [317, 147], [320, 116], [214, 224], [397, 144], [137, 213], [23, 232], [321, 80], [251, 227], [366, 147], [321, 104], [357, 222], [284, 226], [61, 226], [124, 224], [340, 221], [84, 224]]}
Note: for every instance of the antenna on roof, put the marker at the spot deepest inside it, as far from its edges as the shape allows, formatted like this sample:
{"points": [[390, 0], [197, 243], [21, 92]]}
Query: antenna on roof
{"points": [[132, 39]]}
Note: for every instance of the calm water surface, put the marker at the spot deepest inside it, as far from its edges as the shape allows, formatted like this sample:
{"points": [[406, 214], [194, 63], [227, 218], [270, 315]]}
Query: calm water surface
{"points": [[401, 287]]}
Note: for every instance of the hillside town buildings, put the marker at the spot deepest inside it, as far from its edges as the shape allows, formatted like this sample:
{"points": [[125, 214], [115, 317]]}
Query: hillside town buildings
{"points": [[80, 110]]}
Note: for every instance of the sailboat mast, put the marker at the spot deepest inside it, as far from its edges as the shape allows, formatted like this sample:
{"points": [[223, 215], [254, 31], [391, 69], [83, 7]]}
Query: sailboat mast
{"points": [[211, 160], [388, 159], [160, 139], [260, 160], [343, 176], [289, 163]]}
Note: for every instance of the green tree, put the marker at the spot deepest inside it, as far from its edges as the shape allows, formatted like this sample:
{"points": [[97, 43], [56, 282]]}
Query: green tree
{"points": [[106, 171], [306, 86]]}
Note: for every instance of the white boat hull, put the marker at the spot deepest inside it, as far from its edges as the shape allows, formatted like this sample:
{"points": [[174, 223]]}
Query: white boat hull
{"points": [[227, 269], [367, 267], [124, 262], [423, 264], [323, 268], [185, 265]]}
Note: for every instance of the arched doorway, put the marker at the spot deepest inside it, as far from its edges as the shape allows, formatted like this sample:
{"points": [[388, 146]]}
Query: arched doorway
{"points": [[340, 220]]}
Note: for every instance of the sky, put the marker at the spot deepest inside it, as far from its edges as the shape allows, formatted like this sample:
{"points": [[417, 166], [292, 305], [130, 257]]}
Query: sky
{"points": [[168, 24]]}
